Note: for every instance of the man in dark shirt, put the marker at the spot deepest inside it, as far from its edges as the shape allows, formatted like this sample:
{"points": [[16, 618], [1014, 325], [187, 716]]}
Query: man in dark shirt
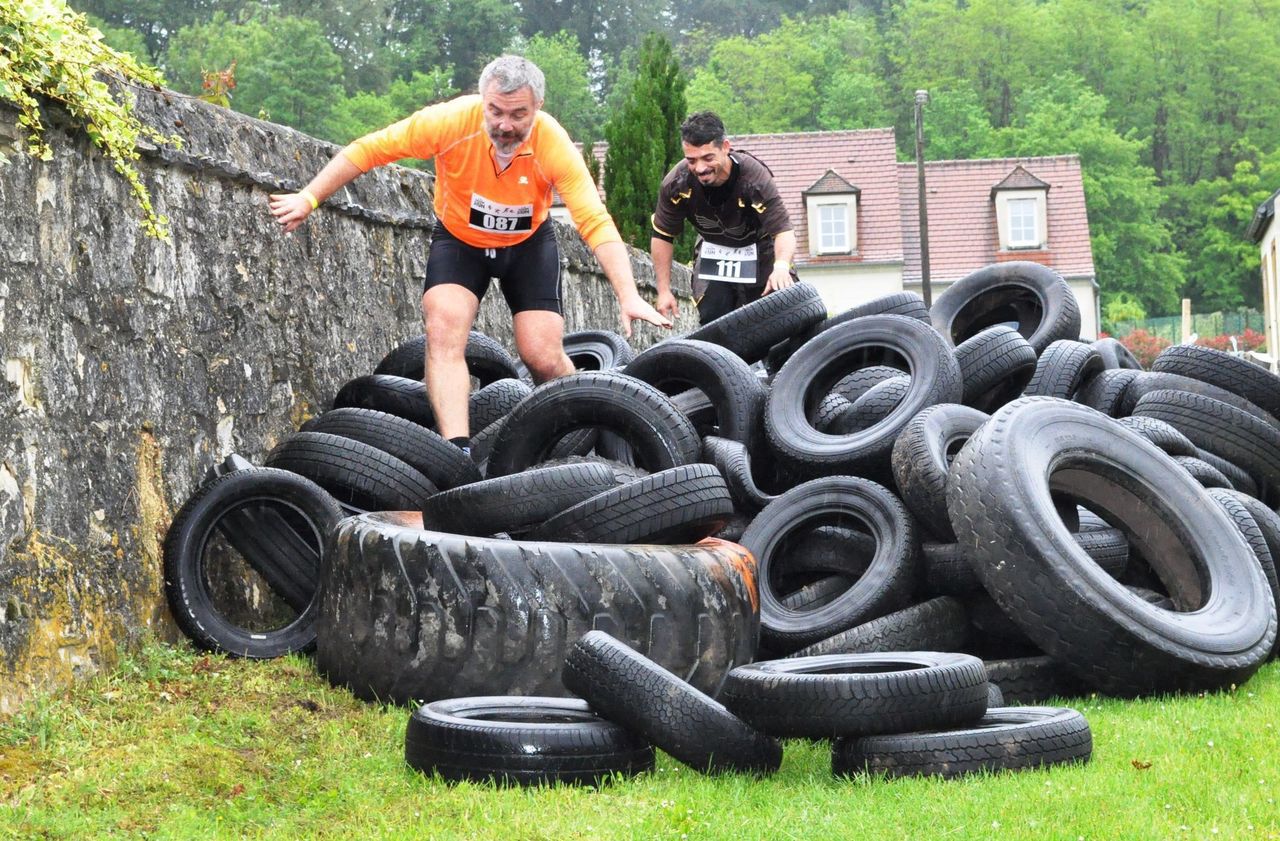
{"points": [[745, 241]]}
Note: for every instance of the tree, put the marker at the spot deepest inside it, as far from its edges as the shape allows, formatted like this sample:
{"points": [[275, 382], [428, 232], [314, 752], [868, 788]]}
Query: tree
{"points": [[805, 75], [122, 39], [1210, 218], [297, 87], [569, 97], [644, 140], [1133, 248], [365, 111], [956, 125]]}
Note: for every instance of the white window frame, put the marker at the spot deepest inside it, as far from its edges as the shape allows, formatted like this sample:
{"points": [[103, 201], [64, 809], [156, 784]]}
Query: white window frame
{"points": [[1005, 200], [816, 205], [1024, 210]]}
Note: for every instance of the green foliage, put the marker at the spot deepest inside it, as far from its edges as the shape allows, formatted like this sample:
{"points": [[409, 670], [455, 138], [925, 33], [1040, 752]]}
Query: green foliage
{"points": [[49, 52], [644, 140], [363, 112], [803, 76], [1118, 307], [1210, 218], [569, 97], [956, 125], [1133, 248], [122, 39], [284, 67]]}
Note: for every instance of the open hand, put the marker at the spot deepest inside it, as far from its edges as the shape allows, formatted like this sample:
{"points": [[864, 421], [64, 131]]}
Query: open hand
{"points": [[290, 209]]}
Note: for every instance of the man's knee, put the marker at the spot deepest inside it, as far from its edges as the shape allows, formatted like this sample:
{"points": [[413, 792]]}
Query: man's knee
{"points": [[546, 362]]}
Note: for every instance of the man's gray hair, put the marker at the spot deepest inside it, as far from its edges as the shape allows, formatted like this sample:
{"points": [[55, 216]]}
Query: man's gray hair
{"points": [[511, 73]]}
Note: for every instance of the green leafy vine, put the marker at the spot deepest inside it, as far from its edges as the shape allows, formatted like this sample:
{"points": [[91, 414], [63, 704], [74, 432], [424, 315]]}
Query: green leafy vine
{"points": [[47, 50]]}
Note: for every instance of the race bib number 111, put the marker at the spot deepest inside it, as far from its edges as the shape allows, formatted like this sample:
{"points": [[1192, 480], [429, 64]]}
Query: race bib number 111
{"points": [[731, 265]]}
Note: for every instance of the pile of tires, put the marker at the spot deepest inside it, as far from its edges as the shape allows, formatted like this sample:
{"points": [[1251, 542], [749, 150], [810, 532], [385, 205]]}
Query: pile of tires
{"points": [[971, 479], [899, 714]]}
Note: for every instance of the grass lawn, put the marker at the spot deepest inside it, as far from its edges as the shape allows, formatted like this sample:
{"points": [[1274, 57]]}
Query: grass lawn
{"points": [[183, 745]]}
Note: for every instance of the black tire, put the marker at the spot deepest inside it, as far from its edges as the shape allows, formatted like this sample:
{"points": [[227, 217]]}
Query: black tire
{"points": [[1029, 295], [1161, 434], [886, 586], [680, 505], [1106, 390], [735, 393], [631, 689], [922, 456], [1064, 366], [410, 614], [515, 503], [996, 364], [278, 521], [948, 571], [1219, 428], [521, 741], [1268, 523], [734, 463], [857, 694], [809, 376], [908, 304], [999, 500], [597, 350], [1203, 472], [830, 415], [399, 396], [877, 404], [832, 549], [939, 624], [1115, 356], [857, 383], [1149, 381], [441, 462], [494, 401], [487, 360], [660, 435], [751, 330], [356, 474], [1238, 376], [1005, 739], [1032, 680], [1236, 475]]}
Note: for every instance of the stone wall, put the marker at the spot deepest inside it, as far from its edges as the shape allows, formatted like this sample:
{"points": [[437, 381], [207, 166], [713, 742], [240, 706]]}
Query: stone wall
{"points": [[131, 365]]}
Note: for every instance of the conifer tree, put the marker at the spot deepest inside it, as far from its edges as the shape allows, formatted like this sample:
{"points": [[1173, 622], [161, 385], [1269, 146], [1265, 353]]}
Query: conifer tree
{"points": [[644, 139]]}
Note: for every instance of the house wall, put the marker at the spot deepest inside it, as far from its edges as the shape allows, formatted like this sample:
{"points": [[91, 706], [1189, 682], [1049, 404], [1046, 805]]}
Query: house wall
{"points": [[131, 365], [842, 287], [1270, 252]]}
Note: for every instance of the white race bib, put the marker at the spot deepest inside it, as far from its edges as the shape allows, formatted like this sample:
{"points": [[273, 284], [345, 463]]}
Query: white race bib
{"points": [[731, 265], [495, 218]]}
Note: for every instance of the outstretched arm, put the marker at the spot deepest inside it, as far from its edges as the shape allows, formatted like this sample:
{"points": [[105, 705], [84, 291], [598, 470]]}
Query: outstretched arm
{"points": [[292, 209], [617, 267], [661, 253]]}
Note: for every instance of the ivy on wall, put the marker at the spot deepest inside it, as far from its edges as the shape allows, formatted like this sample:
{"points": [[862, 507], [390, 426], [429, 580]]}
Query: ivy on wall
{"points": [[49, 51]]}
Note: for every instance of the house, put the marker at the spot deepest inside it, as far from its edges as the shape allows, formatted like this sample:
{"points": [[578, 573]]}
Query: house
{"points": [[1264, 232], [855, 212]]}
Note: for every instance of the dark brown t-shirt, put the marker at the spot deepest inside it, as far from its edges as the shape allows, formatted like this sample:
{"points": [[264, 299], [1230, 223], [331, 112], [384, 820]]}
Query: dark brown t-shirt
{"points": [[751, 210]]}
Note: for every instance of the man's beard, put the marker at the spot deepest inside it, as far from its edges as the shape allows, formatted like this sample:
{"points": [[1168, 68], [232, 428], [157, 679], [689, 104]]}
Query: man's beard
{"points": [[506, 143]]}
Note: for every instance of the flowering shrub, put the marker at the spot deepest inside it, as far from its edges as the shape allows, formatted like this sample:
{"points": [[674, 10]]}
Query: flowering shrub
{"points": [[1248, 340], [1144, 346]]}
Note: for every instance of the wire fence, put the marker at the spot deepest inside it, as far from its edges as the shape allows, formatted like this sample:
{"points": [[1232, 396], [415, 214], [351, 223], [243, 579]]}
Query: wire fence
{"points": [[1206, 325]]}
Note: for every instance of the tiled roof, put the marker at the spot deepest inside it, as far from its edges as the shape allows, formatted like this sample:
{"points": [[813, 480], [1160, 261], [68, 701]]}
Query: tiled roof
{"points": [[865, 157], [1019, 179], [962, 224], [831, 183]]}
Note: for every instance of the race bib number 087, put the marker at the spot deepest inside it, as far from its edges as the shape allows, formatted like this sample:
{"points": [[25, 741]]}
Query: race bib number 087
{"points": [[498, 218], [731, 265]]}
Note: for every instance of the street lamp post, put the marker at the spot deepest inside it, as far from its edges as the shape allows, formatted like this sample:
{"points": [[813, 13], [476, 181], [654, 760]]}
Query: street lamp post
{"points": [[926, 292]]}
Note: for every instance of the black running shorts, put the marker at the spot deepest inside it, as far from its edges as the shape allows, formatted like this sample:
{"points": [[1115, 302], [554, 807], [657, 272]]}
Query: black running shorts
{"points": [[528, 272]]}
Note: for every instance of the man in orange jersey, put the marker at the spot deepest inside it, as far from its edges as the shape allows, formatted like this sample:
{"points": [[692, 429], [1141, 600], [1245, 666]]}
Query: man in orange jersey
{"points": [[498, 157]]}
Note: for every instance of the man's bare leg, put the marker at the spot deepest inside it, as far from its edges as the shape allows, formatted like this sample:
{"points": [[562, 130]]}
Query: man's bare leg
{"points": [[448, 311], [540, 343]]}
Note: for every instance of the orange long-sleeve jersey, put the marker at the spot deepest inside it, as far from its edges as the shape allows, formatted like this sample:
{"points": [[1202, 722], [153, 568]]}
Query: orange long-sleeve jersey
{"points": [[478, 204]]}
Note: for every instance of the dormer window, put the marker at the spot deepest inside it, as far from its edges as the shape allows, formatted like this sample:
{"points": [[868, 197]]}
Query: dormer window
{"points": [[831, 205], [1021, 200], [1022, 224]]}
